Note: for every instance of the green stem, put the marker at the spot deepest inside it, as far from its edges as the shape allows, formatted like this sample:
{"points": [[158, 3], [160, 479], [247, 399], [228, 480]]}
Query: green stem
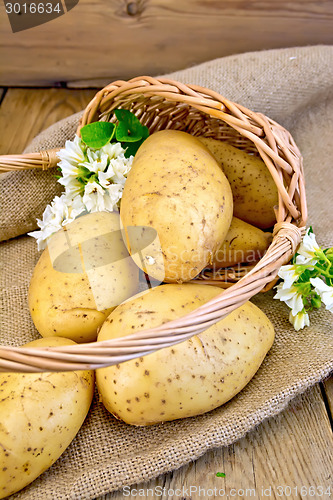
{"points": [[322, 256], [323, 272]]}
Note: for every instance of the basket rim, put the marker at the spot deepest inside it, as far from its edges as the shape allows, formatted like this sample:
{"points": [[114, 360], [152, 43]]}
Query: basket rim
{"points": [[274, 143], [282, 158]]}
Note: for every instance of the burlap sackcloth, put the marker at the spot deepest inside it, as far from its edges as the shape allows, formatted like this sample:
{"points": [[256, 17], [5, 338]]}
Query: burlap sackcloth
{"points": [[294, 87]]}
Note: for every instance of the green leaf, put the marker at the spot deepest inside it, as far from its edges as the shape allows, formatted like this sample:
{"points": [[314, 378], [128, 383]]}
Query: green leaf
{"points": [[315, 301], [83, 171], [129, 132], [123, 134], [129, 128], [329, 281], [131, 147], [145, 132], [97, 134], [304, 277]]}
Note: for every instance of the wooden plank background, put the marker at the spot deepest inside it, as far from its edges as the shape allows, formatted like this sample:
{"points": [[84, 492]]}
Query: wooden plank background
{"points": [[99, 41]]}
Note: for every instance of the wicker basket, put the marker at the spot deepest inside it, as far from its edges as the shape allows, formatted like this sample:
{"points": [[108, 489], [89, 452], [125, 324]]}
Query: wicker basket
{"points": [[161, 104]]}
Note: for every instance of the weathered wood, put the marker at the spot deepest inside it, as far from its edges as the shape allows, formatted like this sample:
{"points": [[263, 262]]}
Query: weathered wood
{"points": [[293, 449], [26, 112], [97, 41]]}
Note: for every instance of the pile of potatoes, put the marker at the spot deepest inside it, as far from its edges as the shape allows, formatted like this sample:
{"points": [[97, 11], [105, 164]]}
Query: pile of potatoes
{"points": [[180, 213]]}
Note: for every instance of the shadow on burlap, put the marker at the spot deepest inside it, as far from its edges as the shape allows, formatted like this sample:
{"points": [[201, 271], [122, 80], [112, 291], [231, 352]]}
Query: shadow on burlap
{"points": [[293, 86]]}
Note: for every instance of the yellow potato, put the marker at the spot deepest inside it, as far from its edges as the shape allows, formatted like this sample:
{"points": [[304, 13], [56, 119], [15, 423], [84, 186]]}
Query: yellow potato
{"points": [[80, 277], [180, 203], [254, 190], [40, 414], [244, 243], [192, 377]]}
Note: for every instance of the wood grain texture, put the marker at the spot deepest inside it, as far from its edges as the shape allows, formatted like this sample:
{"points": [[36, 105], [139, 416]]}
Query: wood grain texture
{"points": [[292, 449], [98, 41], [26, 112]]}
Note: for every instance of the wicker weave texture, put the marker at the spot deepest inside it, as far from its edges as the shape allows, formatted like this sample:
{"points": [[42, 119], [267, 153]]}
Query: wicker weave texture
{"points": [[161, 104]]}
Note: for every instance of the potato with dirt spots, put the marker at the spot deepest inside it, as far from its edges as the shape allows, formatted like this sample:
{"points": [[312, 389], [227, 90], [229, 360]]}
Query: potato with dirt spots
{"points": [[254, 191], [244, 243], [82, 275], [189, 378], [177, 189], [40, 414]]}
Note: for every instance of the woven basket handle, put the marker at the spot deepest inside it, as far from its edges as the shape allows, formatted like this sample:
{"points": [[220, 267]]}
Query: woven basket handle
{"points": [[96, 355], [44, 160]]}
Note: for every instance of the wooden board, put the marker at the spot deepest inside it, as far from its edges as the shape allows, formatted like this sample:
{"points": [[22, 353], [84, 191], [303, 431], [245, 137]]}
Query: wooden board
{"points": [[26, 112], [96, 42], [290, 451]]}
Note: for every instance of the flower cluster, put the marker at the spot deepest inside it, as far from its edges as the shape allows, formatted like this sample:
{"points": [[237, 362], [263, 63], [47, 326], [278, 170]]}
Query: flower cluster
{"points": [[93, 180], [307, 282]]}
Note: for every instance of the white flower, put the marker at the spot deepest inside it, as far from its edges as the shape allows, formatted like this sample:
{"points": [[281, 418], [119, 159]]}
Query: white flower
{"points": [[68, 169], [76, 208], [297, 316], [120, 168], [306, 293], [289, 275], [308, 249], [324, 291], [296, 303], [109, 163], [53, 218], [96, 199], [70, 159], [115, 192], [93, 181], [71, 184], [96, 161], [291, 297], [299, 320], [283, 294], [73, 153], [61, 211], [104, 179], [116, 173], [113, 150]]}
